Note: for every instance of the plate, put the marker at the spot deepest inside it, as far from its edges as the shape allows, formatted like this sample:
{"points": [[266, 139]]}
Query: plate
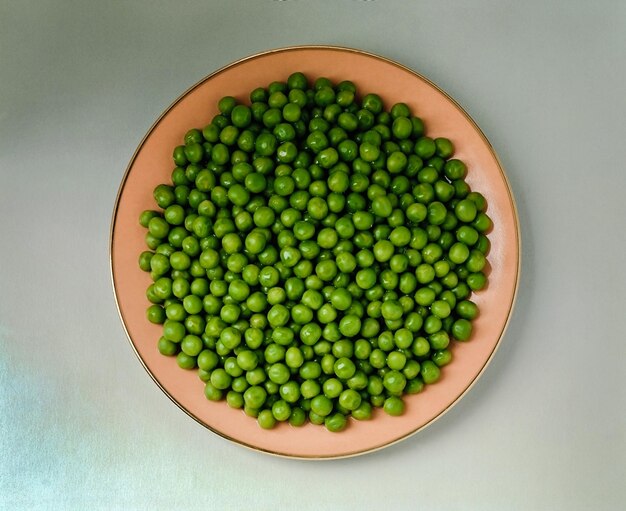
{"points": [[152, 164]]}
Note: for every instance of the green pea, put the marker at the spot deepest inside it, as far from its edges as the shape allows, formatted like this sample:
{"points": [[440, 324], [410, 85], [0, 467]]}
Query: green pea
{"points": [[430, 372], [336, 422], [482, 223], [167, 348], [363, 411], [350, 399], [465, 210], [459, 252], [439, 340], [156, 314], [266, 419], [400, 236], [383, 250], [461, 329], [442, 357], [212, 393], [321, 405], [467, 309], [394, 406], [350, 325], [455, 169], [381, 206]]}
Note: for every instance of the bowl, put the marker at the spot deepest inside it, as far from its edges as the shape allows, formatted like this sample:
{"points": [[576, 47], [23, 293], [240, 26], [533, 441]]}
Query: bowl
{"points": [[152, 165]]}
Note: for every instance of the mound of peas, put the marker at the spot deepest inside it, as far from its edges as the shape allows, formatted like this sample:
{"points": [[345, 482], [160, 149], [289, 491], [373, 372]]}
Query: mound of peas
{"points": [[314, 254]]}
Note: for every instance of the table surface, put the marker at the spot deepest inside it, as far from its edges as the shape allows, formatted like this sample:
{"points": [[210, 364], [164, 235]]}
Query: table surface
{"points": [[81, 423]]}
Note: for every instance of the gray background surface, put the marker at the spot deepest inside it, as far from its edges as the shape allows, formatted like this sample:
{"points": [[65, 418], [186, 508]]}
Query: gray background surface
{"points": [[82, 426]]}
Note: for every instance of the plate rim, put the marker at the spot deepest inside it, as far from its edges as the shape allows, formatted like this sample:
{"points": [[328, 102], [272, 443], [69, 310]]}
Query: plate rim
{"points": [[461, 110]]}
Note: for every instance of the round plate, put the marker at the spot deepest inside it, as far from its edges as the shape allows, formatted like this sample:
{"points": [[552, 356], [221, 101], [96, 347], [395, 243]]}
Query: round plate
{"points": [[152, 165]]}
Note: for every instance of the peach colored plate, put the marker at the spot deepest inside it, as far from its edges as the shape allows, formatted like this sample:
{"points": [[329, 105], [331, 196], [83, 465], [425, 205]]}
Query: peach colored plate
{"points": [[152, 165]]}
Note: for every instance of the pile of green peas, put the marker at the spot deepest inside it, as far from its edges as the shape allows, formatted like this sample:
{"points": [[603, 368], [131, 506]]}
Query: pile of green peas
{"points": [[314, 254]]}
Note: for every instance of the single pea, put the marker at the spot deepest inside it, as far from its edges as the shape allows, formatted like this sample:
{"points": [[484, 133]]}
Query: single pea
{"points": [[212, 393], [294, 358], [432, 324], [173, 330], [455, 170], [373, 103], [344, 228], [482, 223], [226, 104], [158, 227], [420, 347], [346, 262], [430, 372], [440, 308], [383, 250], [234, 399], [167, 348], [191, 345], [336, 422], [402, 126], [363, 411], [396, 162], [180, 261], [324, 94], [278, 373], [310, 333], [442, 357], [459, 252], [444, 191], [332, 388], [326, 270], [400, 236], [321, 405], [394, 406], [411, 370], [391, 310], [350, 399], [341, 299], [467, 309], [255, 396], [317, 208], [281, 410], [297, 80], [394, 381], [156, 314], [436, 213], [366, 278], [266, 419], [381, 206], [465, 210], [475, 262], [467, 235], [230, 337], [461, 329], [396, 360], [425, 147], [290, 392], [439, 340], [344, 368], [416, 212], [310, 388], [192, 304], [350, 325]]}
